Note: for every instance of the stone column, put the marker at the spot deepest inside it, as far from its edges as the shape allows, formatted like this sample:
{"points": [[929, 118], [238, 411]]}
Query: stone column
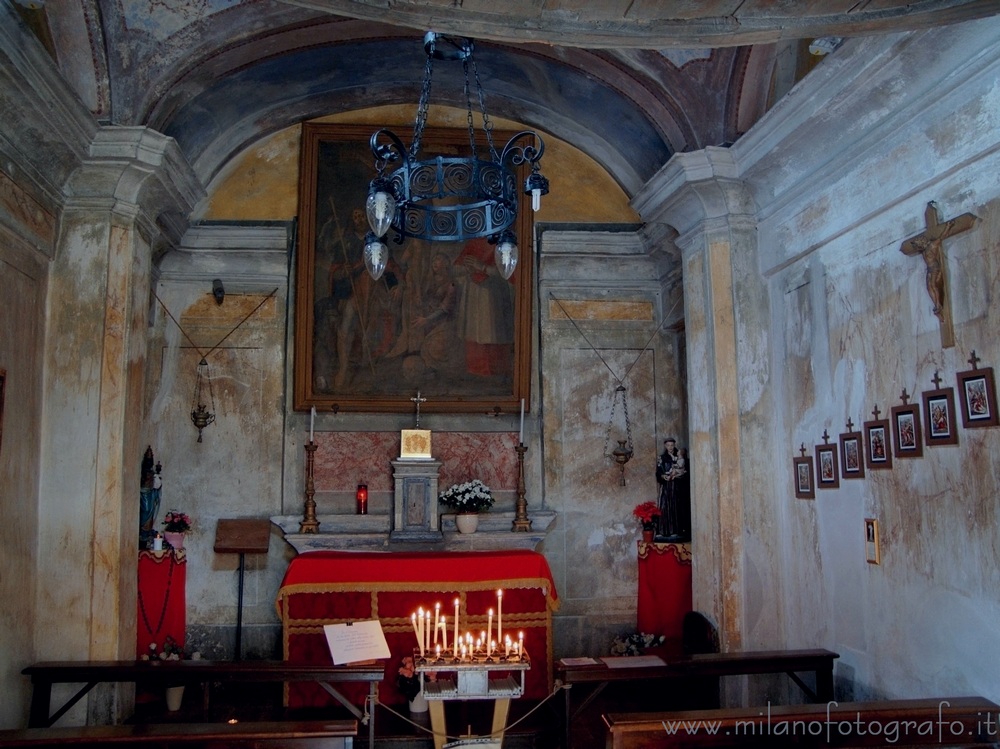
{"points": [[700, 195], [94, 394]]}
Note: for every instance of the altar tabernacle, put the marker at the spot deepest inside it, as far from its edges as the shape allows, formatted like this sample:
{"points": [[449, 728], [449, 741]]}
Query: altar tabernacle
{"points": [[326, 587]]}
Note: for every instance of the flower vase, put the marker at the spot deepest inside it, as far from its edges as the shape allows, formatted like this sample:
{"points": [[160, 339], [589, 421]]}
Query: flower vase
{"points": [[175, 539], [467, 522], [175, 696], [648, 534], [419, 704]]}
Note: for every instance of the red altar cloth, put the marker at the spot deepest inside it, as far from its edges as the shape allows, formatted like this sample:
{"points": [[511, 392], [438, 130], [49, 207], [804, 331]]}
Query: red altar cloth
{"points": [[664, 589], [330, 587], [161, 608]]}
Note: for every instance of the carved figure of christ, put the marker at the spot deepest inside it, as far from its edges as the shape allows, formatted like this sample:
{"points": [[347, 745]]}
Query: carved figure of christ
{"points": [[929, 245]]}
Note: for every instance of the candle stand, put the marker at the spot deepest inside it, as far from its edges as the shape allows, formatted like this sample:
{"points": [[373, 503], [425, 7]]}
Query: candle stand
{"points": [[521, 521], [472, 681], [309, 522]]}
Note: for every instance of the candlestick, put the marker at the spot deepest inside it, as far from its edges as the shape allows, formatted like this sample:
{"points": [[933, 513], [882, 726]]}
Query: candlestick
{"points": [[312, 421], [309, 522], [500, 615], [520, 435]]}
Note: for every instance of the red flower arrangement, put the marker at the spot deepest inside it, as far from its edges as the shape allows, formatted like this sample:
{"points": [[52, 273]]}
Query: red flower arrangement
{"points": [[646, 513]]}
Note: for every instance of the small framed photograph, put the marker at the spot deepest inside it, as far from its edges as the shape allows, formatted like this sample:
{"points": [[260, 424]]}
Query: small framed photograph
{"points": [[939, 407], [804, 486], [852, 455], [877, 452], [907, 440], [872, 555], [978, 393], [827, 471]]}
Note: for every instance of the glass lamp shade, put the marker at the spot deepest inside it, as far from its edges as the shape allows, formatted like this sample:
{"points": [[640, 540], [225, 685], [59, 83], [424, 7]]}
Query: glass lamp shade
{"points": [[505, 255], [376, 255], [380, 208]]}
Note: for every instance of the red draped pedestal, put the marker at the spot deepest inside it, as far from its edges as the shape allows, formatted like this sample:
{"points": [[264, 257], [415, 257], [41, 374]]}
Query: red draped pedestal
{"points": [[664, 589], [329, 587], [162, 599]]}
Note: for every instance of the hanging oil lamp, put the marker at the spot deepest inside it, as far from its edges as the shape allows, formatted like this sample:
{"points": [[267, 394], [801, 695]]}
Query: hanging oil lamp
{"points": [[201, 417], [623, 453]]}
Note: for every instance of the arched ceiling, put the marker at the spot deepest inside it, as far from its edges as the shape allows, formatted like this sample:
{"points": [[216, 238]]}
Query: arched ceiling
{"points": [[629, 82]]}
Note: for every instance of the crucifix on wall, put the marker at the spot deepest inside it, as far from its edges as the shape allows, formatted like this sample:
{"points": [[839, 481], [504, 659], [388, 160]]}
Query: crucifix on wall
{"points": [[929, 245]]}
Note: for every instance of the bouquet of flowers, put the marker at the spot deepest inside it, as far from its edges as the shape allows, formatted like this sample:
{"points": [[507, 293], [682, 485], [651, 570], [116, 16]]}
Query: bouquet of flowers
{"points": [[177, 522], [407, 680], [646, 513], [635, 644], [171, 652], [472, 496]]}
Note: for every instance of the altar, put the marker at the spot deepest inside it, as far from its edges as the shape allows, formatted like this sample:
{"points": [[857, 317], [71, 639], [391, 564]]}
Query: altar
{"points": [[331, 587]]}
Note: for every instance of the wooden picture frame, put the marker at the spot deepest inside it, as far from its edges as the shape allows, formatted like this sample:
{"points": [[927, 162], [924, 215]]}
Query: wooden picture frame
{"points": [[827, 468], [852, 455], [805, 486], [364, 345], [941, 427], [978, 395], [907, 440], [873, 553], [878, 444]]}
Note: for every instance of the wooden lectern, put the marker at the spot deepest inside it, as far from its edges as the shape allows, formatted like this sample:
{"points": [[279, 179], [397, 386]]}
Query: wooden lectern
{"points": [[242, 536]]}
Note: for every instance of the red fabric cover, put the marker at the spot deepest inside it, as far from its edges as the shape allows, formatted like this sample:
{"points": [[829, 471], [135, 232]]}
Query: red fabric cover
{"points": [[162, 581], [328, 587], [664, 590]]}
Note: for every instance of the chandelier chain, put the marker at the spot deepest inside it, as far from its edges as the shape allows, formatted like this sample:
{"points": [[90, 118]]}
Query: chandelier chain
{"points": [[487, 122], [422, 107]]}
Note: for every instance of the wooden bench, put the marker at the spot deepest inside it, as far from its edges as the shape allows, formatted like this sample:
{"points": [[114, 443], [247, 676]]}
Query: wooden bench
{"points": [[953, 722], [690, 667], [159, 674], [334, 734]]}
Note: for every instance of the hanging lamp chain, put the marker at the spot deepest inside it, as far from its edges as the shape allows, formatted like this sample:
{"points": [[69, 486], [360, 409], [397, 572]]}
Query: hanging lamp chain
{"points": [[628, 424]]}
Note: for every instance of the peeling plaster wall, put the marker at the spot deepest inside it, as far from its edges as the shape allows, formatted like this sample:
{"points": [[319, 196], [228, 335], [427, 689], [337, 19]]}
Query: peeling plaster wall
{"points": [[852, 326]]}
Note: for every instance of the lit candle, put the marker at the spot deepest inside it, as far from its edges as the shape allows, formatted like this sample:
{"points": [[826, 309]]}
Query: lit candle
{"points": [[157, 542], [520, 435], [456, 627], [500, 616], [312, 421], [437, 619], [420, 630], [520, 645], [489, 624], [506, 646], [416, 630], [444, 634], [437, 651], [427, 631]]}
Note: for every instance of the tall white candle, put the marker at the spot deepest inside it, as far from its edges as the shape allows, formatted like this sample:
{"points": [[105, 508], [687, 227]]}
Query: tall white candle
{"points": [[444, 634], [427, 631], [500, 615], [520, 435], [416, 630], [489, 625], [456, 627], [420, 630], [437, 618], [312, 422]]}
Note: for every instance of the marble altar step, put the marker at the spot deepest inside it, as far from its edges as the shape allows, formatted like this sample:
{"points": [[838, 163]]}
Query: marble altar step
{"points": [[346, 532]]}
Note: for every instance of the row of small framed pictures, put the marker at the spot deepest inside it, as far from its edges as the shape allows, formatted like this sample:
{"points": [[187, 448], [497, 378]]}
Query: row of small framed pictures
{"points": [[900, 436]]}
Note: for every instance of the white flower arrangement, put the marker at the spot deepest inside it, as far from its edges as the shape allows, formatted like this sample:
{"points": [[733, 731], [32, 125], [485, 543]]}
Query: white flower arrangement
{"points": [[472, 496]]}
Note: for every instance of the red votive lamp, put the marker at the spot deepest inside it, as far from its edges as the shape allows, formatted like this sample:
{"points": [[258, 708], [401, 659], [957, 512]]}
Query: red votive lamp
{"points": [[361, 498]]}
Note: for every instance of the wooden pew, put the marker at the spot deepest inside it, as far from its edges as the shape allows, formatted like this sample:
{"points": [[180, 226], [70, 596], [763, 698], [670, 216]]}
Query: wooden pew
{"points": [[159, 674], [696, 667], [952, 722], [334, 734]]}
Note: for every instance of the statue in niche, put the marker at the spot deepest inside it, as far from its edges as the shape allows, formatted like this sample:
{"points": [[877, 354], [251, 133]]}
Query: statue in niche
{"points": [[150, 487]]}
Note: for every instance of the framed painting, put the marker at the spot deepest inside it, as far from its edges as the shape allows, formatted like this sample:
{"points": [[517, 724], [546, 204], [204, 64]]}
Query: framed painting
{"points": [[939, 407], [804, 486], [852, 455], [827, 470], [907, 442], [978, 393], [441, 320], [878, 455], [872, 553]]}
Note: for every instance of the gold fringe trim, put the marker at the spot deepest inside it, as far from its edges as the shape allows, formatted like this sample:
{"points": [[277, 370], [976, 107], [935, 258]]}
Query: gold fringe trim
{"points": [[681, 552]]}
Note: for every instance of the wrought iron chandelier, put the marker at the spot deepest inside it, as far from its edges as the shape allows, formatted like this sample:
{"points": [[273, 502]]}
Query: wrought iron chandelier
{"points": [[446, 198]]}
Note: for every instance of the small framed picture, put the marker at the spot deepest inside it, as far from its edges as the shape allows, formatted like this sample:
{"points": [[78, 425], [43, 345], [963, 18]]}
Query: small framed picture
{"points": [[877, 452], [804, 486], [978, 393], [939, 407], [852, 455], [872, 555], [827, 476], [907, 440]]}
